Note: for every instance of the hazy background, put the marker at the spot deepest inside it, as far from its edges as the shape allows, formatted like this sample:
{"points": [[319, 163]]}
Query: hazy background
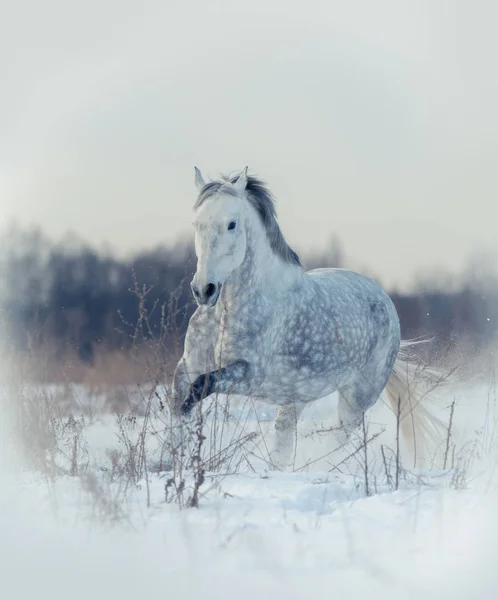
{"points": [[375, 121]]}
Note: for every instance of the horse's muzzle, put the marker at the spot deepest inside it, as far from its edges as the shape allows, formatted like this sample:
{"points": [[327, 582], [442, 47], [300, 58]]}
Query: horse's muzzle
{"points": [[207, 296]]}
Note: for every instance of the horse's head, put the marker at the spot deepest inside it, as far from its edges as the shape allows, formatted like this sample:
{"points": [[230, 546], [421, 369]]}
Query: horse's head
{"points": [[220, 235]]}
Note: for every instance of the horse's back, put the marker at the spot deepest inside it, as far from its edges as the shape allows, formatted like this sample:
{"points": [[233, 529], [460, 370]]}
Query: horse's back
{"points": [[352, 288], [337, 277]]}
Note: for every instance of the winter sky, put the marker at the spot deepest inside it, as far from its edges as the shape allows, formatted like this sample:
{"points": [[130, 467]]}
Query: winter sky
{"points": [[375, 121]]}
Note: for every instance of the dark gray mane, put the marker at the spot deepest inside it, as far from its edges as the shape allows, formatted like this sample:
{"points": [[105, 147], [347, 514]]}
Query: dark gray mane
{"points": [[263, 203]]}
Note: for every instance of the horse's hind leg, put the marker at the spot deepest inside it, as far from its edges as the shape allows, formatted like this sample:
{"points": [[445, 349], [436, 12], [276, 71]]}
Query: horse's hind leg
{"points": [[285, 434], [354, 400]]}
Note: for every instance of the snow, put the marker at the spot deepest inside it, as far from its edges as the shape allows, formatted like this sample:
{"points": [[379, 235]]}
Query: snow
{"points": [[258, 533]]}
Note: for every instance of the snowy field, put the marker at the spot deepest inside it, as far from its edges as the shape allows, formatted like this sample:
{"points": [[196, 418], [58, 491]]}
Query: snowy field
{"points": [[324, 528]]}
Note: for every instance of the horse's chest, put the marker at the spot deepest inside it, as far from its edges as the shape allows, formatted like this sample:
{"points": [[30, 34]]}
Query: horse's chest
{"points": [[243, 333]]}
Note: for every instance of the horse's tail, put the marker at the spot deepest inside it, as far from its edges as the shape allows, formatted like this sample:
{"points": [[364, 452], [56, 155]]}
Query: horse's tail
{"points": [[408, 389]]}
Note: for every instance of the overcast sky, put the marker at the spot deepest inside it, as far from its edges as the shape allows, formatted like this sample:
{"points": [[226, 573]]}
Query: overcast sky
{"points": [[376, 121]]}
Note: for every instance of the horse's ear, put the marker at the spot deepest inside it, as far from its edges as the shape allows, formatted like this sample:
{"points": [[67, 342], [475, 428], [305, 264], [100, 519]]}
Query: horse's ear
{"points": [[199, 180], [241, 183]]}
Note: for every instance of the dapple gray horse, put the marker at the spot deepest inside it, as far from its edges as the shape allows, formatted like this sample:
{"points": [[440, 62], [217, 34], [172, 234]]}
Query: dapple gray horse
{"points": [[267, 329]]}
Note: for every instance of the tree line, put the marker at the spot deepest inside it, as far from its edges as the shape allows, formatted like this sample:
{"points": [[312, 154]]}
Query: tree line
{"points": [[69, 296]]}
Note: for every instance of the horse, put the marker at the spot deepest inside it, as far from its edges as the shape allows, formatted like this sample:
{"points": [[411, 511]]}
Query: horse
{"points": [[267, 329]]}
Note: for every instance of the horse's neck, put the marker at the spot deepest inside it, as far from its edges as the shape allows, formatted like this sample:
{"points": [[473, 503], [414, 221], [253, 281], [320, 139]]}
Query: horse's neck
{"points": [[262, 275]]}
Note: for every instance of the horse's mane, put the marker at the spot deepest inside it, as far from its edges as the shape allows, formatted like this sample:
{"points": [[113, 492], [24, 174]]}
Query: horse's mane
{"points": [[263, 202]]}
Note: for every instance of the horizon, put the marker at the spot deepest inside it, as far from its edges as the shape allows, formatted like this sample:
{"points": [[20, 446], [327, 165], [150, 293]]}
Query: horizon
{"points": [[478, 268]]}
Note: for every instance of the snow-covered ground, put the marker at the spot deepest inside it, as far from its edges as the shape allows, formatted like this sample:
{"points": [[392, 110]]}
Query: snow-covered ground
{"points": [[311, 531]]}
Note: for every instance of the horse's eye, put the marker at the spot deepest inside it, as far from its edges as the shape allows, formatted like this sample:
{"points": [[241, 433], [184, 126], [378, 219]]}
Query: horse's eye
{"points": [[231, 225]]}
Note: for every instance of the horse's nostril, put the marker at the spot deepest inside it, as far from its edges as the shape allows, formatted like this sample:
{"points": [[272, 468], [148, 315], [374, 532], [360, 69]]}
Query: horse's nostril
{"points": [[210, 290], [195, 291]]}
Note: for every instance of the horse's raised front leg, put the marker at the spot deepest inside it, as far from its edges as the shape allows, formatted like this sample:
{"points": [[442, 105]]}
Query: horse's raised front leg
{"points": [[181, 385], [236, 378], [285, 434]]}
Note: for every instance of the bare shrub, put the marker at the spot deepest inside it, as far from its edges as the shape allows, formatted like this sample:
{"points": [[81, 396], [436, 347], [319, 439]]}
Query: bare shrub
{"points": [[151, 440], [48, 432], [108, 501]]}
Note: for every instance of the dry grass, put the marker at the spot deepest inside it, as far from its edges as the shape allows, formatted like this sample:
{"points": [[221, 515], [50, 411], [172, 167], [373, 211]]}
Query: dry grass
{"points": [[50, 422]]}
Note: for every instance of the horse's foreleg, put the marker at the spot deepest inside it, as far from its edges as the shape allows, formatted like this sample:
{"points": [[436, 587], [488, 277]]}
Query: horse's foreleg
{"points": [[285, 434], [181, 385], [235, 378]]}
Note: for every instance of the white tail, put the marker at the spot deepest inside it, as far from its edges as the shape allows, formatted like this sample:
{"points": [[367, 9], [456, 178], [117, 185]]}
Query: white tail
{"points": [[408, 388]]}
